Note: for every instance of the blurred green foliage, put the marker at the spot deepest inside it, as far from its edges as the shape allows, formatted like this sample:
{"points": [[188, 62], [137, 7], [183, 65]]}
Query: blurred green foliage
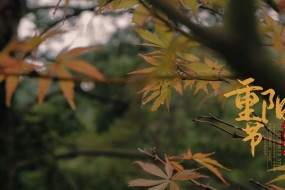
{"points": [[110, 118]]}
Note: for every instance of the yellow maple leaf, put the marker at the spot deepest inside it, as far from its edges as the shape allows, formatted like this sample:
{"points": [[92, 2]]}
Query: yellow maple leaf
{"points": [[207, 162]]}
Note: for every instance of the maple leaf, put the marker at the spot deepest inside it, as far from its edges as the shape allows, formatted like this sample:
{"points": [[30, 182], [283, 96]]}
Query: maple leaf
{"points": [[159, 184], [147, 35], [12, 68], [275, 187], [279, 178], [60, 68], [164, 97], [123, 4], [140, 16], [184, 175], [193, 5], [207, 162], [201, 85]]}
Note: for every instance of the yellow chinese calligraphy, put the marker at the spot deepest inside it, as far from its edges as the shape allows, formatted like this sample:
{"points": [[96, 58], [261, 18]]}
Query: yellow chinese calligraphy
{"points": [[246, 98], [253, 135]]}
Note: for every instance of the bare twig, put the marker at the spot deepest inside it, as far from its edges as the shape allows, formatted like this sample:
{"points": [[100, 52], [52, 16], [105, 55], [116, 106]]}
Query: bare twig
{"points": [[155, 156], [269, 130], [211, 10], [233, 134], [260, 185], [197, 76], [169, 24], [210, 116]]}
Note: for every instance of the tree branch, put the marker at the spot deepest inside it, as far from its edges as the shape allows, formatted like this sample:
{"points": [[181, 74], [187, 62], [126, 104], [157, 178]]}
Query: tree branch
{"points": [[206, 36], [128, 80], [260, 185], [233, 134], [238, 41]]}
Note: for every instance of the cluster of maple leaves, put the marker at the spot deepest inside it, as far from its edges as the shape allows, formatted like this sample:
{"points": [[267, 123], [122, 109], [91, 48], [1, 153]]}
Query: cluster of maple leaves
{"points": [[174, 171], [13, 65]]}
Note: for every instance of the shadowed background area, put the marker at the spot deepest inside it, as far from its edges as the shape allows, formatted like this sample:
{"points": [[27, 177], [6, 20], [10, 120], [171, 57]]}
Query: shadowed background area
{"points": [[50, 146]]}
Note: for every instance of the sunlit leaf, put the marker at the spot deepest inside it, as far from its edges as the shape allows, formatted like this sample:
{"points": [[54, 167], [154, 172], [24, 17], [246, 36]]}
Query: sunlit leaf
{"points": [[188, 57], [220, 3], [210, 163], [178, 87], [279, 178], [76, 52], [280, 168], [207, 162], [193, 4], [165, 91], [123, 4], [189, 83], [43, 87], [164, 34], [186, 175], [147, 35], [150, 97], [168, 168], [11, 86], [84, 67], [160, 187], [140, 16], [199, 67], [174, 186], [275, 187], [151, 168], [201, 85], [213, 65], [216, 85], [177, 165], [147, 70], [67, 86], [151, 60], [144, 182]]}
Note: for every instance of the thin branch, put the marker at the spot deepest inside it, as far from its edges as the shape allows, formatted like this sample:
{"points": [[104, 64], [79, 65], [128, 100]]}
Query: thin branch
{"points": [[211, 10], [169, 24], [233, 134], [128, 80], [260, 185], [74, 8], [204, 35], [155, 156], [219, 76], [269, 130], [210, 116]]}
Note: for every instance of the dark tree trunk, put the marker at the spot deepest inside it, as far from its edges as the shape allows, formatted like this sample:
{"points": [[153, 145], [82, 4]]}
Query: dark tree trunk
{"points": [[10, 14]]}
